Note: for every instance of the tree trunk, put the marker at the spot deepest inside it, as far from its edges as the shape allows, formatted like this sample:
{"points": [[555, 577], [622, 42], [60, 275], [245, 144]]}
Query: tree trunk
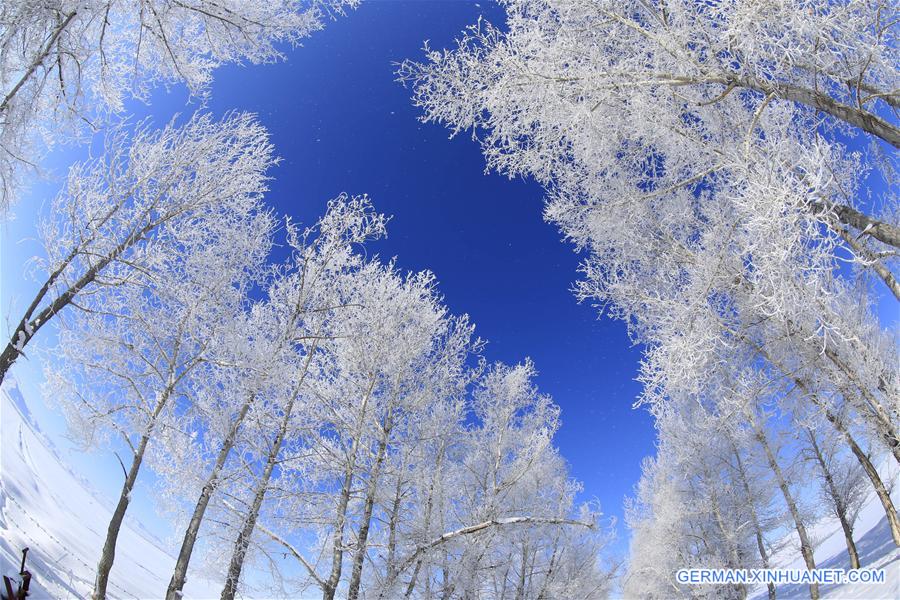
{"points": [[548, 577], [108, 554], [880, 230], [839, 507], [447, 589], [242, 544], [806, 548], [362, 539], [337, 545], [11, 352], [429, 505], [243, 540], [393, 524], [862, 119], [29, 325], [760, 543], [880, 489], [520, 584], [851, 545], [337, 541], [857, 117], [190, 536]]}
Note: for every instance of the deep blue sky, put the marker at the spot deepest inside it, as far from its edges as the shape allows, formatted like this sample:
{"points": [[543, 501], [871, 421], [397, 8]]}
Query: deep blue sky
{"points": [[341, 123]]}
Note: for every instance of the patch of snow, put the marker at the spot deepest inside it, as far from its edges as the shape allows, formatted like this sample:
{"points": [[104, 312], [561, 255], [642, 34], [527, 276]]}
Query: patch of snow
{"points": [[50, 510], [873, 543], [21, 340]]}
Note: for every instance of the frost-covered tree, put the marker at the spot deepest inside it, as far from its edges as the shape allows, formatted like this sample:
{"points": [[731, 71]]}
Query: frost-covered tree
{"points": [[275, 344], [507, 507], [706, 500], [317, 300], [701, 155], [66, 65], [411, 356], [667, 534], [392, 353], [629, 102], [333, 422], [697, 339], [130, 354], [383, 471], [638, 161], [151, 197], [843, 484]]}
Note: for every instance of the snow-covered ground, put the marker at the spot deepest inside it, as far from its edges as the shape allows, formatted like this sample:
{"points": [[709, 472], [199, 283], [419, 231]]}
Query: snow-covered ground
{"points": [[55, 513], [873, 542]]}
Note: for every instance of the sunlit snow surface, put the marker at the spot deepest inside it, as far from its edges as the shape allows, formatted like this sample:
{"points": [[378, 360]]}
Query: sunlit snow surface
{"points": [[49, 509], [873, 543]]}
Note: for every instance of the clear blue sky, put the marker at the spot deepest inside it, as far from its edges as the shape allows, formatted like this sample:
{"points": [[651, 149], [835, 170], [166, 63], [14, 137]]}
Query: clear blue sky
{"points": [[341, 123]]}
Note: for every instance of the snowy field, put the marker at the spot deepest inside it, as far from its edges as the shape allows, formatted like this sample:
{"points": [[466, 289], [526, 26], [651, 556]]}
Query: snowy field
{"points": [[50, 509], [873, 542]]}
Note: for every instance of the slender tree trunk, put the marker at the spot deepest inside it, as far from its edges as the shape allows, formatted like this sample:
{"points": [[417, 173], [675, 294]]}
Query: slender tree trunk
{"points": [[429, 506], [337, 544], [243, 540], [505, 578], [880, 489], [190, 536], [242, 544], [520, 585], [29, 324], [728, 537], [806, 548], [548, 577], [363, 536], [108, 554], [839, 508], [760, 542], [851, 545], [412, 580], [447, 590], [393, 524]]}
